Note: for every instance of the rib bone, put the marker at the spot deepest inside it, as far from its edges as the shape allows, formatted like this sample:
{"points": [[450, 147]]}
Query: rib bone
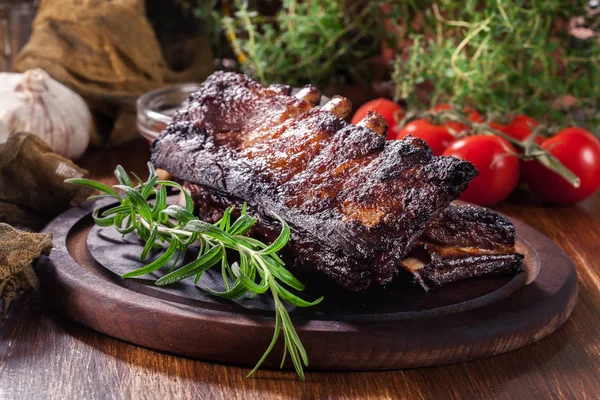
{"points": [[310, 94], [277, 88], [339, 106], [374, 122]]}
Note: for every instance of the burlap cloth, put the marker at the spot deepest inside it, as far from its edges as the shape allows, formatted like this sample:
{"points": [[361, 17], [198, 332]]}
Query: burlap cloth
{"points": [[32, 187], [32, 191], [17, 251], [108, 53]]}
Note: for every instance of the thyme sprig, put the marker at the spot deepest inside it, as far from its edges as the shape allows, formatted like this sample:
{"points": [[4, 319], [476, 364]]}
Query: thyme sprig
{"points": [[258, 270], [511, 57], [321, 42]]}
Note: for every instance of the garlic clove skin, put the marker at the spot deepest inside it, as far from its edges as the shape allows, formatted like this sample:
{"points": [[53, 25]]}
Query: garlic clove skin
{"points": [[35, 102], [3, 132]]}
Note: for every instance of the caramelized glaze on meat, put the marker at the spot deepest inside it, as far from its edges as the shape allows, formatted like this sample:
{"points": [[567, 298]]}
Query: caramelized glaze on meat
{"points": [[355, 203]]}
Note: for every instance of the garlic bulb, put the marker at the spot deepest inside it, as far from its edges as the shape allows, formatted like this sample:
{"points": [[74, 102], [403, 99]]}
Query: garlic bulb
{"points": [[34, 102]]}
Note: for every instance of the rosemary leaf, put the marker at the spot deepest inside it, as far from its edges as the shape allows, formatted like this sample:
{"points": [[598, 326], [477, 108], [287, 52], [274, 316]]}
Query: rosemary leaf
{"points": [[94, 185], [189, 203], [182, 215], [295, 300], [201, 264], [235, 292], [122, 177], [211, 230], [249, 283], [149, 244], [138, 201], [156, 264], [281, 240], [242, 225], [102, 221]]}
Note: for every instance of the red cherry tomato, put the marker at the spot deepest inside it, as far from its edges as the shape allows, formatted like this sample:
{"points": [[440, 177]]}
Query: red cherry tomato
{"points": [[436, 136], [579, 151], [519, 128], [498, 169], [472, 114], [392, 112]]}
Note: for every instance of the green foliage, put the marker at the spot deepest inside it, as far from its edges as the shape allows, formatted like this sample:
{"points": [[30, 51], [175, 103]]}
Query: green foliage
{"points": [[208, 15], [316, 41], [496, 56], [259, 269]]}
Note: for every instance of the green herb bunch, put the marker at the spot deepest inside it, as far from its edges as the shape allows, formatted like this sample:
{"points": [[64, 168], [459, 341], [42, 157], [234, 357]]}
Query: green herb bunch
{"points": [[209, 17], [258, 269], [503, 56], [313, 41]]}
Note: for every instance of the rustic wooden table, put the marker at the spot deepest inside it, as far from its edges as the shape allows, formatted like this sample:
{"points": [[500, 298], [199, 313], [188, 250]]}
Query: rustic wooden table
{"points": [[43, 355]]}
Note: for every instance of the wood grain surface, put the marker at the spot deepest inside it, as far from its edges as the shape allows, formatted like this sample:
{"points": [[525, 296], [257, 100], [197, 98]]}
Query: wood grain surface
{"points": [[43, 355]]}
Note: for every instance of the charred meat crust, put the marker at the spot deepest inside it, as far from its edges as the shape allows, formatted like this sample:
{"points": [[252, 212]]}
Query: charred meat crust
{"points": [[464, 242], [443, 270], [470, 226], [350, 198]]}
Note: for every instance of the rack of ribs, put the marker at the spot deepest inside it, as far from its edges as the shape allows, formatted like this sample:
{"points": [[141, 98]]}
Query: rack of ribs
{"points": [[357, 205]]}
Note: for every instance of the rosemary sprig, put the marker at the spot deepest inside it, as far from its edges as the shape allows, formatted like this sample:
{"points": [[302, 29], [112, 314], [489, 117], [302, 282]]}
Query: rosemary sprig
{"points": [[259, 269]]}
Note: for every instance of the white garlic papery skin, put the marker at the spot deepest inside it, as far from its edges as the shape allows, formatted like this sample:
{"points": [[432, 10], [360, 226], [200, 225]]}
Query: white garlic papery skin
{"points": [[34, 102], [3, 132]]}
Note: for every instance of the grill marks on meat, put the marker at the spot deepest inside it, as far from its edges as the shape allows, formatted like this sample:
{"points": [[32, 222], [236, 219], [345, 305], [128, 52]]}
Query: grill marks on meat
{"points": [[464, 242], [352, 199]]}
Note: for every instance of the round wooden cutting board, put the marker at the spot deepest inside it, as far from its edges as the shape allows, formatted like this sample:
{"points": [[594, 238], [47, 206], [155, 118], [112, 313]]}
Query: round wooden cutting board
{"points": [[401, 327]]}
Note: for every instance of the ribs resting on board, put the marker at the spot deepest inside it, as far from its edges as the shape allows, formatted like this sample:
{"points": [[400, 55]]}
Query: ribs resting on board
{"points": [[356, 204], [464, 242]]}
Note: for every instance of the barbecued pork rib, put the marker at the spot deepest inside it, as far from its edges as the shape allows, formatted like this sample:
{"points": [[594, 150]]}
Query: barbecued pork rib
{"points": [[464, 242], [355, 203]]}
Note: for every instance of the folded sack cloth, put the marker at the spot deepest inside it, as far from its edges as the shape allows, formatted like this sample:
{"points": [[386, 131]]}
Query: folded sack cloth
{"points": [[107, 52], [32, 187], [18, 250]]}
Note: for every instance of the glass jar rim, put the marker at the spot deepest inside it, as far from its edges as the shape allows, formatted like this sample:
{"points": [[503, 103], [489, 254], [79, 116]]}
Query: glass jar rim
{"points": [[144, 102]]}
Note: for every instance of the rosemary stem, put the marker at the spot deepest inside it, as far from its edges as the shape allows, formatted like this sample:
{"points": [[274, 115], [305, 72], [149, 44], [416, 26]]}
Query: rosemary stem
{"points": [[164, 229]]}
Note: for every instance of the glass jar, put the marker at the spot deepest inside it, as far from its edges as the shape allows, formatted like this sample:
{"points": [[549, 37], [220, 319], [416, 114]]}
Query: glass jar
{"points": [[155, 109]]}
